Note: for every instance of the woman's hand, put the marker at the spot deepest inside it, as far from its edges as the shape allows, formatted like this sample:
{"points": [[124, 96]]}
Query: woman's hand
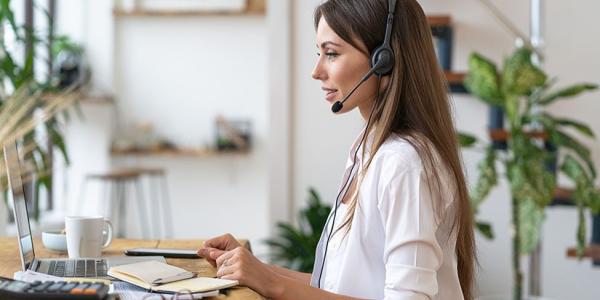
{"points": [[239, 264], [215, 247]]}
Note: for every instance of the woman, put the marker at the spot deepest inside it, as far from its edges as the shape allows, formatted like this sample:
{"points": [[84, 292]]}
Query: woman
{"points": [[404, 226]]}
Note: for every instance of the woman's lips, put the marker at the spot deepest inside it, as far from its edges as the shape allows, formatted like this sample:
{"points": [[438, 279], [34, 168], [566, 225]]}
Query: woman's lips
{"points": [[330, 94]]}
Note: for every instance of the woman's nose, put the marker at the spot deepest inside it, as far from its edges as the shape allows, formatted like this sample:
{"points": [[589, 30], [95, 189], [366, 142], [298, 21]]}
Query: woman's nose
{"points": [[317, 72]]}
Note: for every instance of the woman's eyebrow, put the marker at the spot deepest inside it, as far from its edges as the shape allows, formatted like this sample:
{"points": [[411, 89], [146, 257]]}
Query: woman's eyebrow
{"points": [[326, 43]]}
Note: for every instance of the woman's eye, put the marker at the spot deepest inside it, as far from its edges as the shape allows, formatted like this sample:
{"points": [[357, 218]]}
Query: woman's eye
{"points": [[331, 55]]}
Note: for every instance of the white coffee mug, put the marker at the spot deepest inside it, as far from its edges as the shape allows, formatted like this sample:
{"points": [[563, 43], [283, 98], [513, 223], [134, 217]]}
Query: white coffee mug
{"points": [[86, 236]]}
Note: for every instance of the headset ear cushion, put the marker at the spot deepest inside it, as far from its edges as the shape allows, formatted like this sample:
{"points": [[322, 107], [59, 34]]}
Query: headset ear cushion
{"points": [[384, 57]]}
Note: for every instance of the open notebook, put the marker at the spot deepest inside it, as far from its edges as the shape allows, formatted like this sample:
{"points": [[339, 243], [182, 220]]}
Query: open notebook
{"points": [[160, 277]]}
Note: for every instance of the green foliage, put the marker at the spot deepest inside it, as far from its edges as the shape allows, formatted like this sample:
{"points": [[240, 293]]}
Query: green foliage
{"points": [[466, 140], [15, 75], [295, 247], [520, 86], [520, 76], [531, 217], [568, 92], [483, 80], [585, 195], [488, 178], [485, 229], [64, 43]]}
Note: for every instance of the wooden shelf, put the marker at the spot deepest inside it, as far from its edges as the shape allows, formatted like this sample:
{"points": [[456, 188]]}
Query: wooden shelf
{"points": [[563, 193], [253, 8], [439, 20], [178, 152], [455, 77], [501, 135], [592, 251]]}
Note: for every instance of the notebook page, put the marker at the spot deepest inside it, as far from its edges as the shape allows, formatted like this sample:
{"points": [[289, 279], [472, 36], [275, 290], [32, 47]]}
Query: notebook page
{"points": [[148, 271]]}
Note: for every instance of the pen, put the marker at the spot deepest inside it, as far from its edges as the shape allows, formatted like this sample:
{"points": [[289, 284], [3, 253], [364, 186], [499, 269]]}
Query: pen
{"points": [[177, 277]]}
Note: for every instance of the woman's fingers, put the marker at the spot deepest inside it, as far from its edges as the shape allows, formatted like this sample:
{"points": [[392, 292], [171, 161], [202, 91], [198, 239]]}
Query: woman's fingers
{"points": [[212, 253], [216, 253], [223, 242], [225, 256], [225, 270], [204, 252]]}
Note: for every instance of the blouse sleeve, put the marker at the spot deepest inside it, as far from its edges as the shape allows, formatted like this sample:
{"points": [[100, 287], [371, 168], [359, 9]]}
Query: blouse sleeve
{"points": [[411, 254]]}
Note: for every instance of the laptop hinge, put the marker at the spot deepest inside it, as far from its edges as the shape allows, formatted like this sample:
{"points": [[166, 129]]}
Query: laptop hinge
{"points": [[35, 265]]}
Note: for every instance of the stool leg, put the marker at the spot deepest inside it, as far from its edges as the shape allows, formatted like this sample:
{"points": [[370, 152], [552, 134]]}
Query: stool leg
{"points": [[121, 196], [142, 208], [155, 207], [167, 207]]}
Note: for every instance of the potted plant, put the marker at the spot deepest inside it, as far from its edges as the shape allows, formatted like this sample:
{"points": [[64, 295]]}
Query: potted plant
{"points": [[294, 247], [530, 156], [19, 83]]}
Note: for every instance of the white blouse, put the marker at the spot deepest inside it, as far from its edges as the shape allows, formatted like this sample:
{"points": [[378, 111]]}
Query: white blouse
{"points": [[396, 247]]}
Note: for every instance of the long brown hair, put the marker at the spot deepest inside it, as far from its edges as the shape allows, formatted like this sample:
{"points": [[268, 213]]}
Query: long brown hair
{"points": [[414, 106]]}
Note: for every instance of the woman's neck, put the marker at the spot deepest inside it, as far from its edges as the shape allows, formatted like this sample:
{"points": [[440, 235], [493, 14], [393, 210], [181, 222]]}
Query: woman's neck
{"points": [[365, 110]]}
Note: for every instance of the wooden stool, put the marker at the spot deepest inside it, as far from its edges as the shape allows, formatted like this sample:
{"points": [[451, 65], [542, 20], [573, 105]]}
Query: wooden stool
{"points": [[160, 204], [116, 195]]}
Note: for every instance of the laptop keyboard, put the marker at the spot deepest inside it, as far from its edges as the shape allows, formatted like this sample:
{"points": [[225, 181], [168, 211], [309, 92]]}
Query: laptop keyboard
{"points": [[78, 268]]}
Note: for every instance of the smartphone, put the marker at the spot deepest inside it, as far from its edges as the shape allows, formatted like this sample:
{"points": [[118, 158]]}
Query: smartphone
{"points": [[174, 253]]}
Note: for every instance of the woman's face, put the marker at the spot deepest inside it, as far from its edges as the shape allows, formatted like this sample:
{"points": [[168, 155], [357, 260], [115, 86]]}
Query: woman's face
{"points": [[340, 67]]}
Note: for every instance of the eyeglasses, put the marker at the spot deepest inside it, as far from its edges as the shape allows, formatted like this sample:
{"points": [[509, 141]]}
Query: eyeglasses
{"points": [[180, 295]]}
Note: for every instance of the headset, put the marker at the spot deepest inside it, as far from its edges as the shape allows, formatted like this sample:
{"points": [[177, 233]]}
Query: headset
{"points": [[382, 59], [382, 64]]}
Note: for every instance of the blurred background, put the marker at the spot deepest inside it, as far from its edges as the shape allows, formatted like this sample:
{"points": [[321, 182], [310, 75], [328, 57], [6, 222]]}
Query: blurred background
{"points": [[200, 117]]}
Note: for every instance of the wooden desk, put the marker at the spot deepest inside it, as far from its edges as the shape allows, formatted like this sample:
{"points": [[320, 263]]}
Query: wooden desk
{"points": [[10, 261]]}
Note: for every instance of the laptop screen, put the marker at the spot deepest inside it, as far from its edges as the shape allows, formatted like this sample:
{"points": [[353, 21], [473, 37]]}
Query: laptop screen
{"points": [[13, 169]]}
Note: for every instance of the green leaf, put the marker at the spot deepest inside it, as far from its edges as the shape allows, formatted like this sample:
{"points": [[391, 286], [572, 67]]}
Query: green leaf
{"points": [[485, 229], [9, 67], [531, 218], [6, 12], [586, 192], [580, 231], [295, 246], [512, 111], [57, 139], [568, 92], [466, 140], [572, 168], [580, 127], [488, 178], [482, 80], [561, 139], [529, 182], [520, 76]]}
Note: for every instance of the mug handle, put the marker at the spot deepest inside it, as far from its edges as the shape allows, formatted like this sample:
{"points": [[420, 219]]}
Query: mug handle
{"points": [[109, 234]]}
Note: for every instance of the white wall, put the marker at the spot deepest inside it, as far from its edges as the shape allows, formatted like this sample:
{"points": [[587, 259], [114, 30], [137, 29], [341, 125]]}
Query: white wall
{"points": [[177, 73], [321, 140]]}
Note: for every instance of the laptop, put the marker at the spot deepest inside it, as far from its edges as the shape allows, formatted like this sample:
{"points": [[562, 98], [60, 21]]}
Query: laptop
{"points": [[81, 267]]}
